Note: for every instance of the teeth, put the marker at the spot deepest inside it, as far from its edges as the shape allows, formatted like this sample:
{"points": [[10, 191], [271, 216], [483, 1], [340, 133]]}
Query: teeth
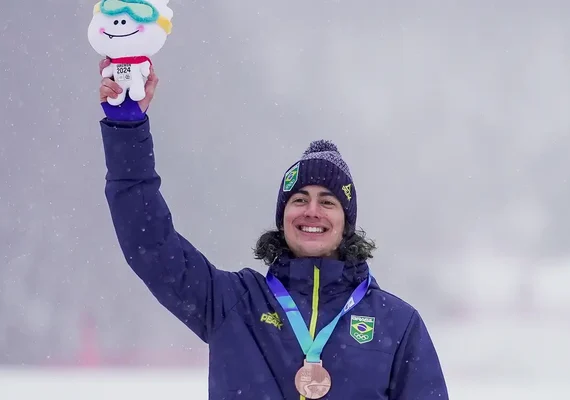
{"points": [[312, 229]]}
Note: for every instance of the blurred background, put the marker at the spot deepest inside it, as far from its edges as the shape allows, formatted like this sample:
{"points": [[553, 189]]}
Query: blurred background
{"points": [[453, 117]]}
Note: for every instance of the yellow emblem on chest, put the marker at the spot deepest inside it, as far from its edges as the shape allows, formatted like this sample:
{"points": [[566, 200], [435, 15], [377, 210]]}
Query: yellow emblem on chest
{"points": [[272, 319]]}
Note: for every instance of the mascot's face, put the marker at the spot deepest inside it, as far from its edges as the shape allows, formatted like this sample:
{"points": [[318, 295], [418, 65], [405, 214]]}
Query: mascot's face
{"points": [[122, 28]]}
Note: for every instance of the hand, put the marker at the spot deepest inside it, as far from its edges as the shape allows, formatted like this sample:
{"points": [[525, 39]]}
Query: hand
{"points": [[110, 88]]}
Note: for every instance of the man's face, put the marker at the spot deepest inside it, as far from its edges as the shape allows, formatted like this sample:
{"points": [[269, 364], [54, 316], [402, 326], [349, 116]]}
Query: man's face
{"points": [[313, 222]]}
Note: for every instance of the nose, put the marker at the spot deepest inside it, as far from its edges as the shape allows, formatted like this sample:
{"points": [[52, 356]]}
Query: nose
{"points": [[312, 210]]}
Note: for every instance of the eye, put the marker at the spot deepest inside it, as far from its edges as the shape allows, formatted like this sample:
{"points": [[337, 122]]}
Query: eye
{"points": [[123, 22], [116, 22], [328, 203]]}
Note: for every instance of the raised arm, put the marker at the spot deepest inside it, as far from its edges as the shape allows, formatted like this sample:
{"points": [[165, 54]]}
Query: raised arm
{"points": [[177, 274]]}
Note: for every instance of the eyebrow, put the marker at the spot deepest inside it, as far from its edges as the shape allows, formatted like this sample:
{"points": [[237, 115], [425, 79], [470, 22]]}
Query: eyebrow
{"points": [[324, 193]]}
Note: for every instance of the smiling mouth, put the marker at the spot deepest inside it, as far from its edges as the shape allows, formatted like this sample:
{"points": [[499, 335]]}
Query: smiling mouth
{"points": [[112, 36], [311, 229]]}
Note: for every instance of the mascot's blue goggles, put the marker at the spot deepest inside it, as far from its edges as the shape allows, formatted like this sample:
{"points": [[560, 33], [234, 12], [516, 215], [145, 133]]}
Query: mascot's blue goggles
{"points": [[139, 10]]}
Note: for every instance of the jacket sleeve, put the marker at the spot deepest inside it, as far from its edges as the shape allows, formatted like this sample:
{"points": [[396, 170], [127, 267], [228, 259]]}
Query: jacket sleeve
{"points": [[176, 273], [416, 372]]}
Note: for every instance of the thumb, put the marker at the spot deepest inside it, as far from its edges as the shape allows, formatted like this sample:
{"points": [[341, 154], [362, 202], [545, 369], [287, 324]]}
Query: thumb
{"points": [[151, 83], [149, 87]]}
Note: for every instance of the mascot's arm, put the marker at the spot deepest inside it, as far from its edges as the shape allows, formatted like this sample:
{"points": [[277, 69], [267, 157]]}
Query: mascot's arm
{"points": [[145, 69], [107, 71]]}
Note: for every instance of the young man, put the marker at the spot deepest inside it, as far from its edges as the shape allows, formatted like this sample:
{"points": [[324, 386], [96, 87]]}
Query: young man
{"points": [[317, 325]]}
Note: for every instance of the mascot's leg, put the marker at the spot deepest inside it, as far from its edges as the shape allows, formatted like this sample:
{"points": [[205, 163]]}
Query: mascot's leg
{"points": [[137, 92]]}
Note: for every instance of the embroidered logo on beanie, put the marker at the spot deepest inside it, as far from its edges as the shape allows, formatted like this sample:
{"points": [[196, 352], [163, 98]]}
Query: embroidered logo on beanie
{"points": [[347, 191], [291, 177]]}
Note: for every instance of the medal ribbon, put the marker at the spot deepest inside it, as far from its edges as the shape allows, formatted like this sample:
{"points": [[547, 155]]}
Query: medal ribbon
{"points": [[312, 348]]}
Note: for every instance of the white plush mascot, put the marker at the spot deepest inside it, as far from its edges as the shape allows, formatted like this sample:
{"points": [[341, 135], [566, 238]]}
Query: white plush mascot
{"points": [[129, 32]]}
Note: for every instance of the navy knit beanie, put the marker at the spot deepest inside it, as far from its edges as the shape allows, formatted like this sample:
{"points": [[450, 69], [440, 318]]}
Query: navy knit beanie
{"points": [[321, 164]]}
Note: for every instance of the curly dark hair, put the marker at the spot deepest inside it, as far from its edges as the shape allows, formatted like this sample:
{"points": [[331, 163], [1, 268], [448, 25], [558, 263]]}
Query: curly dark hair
{"points": [[353, 249]]}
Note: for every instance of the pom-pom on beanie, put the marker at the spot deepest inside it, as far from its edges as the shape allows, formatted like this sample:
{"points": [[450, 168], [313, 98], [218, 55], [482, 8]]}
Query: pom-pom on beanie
{"points": [[321, 164]]}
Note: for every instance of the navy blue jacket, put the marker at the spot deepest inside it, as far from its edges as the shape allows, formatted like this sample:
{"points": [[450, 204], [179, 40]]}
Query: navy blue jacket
{"points": [[253, 351]]}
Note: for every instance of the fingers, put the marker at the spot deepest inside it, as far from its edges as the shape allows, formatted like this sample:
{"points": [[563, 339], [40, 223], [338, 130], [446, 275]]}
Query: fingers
{"points": [[109, 88]]}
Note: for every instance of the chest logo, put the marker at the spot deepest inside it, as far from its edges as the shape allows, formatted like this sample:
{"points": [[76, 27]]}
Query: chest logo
{"points": [[272, 319], [362, 328]]}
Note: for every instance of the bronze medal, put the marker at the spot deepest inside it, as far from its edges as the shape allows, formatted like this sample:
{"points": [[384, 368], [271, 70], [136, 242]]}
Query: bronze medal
{"points": [[312, 380]]}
